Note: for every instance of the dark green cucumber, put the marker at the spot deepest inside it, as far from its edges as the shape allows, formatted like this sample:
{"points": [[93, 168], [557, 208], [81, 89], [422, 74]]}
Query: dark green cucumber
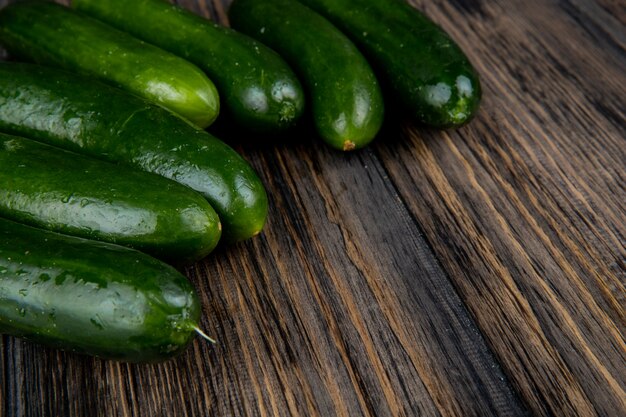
{"points": [[62, 191], [423, 66], [91, 297], [85, 116], [51, 34], [257, 87], [346, 100]]}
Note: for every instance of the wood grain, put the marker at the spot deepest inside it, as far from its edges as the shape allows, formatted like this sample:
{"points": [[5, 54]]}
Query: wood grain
{"points": [[473, 272], [525, 206]]}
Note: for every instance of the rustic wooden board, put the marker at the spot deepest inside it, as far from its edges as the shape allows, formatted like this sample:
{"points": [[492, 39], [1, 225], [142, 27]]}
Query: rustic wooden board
{"points": [[386, 280], [525, 206]]}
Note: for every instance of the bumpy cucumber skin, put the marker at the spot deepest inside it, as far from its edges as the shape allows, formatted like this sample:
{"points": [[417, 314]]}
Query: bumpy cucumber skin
{"points": [[346, 100], [92, 297], [76, 113], [51, 34], [423, 66], [259, 90], [62, 191]]}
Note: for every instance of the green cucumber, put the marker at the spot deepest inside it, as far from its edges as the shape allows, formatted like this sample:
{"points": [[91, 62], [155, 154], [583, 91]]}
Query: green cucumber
{"points": [[88, 117], [258, 89], [346, 100], [92, 297], [423, 66], [51, 34], [62, 191]]}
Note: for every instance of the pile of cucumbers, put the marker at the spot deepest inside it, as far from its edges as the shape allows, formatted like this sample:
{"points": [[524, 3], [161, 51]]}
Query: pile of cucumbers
{"points": [[107, 176]]}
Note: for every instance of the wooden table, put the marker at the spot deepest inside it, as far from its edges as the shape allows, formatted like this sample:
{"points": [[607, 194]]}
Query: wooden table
{"points": [[474, 272]]}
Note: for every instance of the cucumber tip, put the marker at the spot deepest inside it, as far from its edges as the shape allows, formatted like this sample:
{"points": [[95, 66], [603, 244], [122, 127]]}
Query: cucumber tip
{"points": [[348, 145], [204, 335]]}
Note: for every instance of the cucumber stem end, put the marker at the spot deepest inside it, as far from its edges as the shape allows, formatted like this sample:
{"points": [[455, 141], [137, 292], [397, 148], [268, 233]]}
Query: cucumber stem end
{"points": [[204, 335]]}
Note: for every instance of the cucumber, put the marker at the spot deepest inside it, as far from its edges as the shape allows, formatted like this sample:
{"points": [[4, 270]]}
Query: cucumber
{"points": [[258, 89], [82, 115], [62, 191], [422, 65], [51, 34], [347, 104], [92, 297]]}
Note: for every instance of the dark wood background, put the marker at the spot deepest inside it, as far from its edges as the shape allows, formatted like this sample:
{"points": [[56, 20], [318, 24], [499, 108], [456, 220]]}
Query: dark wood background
{"points": [[474, 272]]}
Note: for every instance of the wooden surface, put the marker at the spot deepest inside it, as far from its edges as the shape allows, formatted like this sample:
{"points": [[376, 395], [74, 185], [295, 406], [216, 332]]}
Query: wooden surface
{"points": [[474, 272]]}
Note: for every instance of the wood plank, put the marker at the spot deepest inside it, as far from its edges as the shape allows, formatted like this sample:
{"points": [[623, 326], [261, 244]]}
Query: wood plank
{"points": [[525, 205], [4, 380], [339, 308]]}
